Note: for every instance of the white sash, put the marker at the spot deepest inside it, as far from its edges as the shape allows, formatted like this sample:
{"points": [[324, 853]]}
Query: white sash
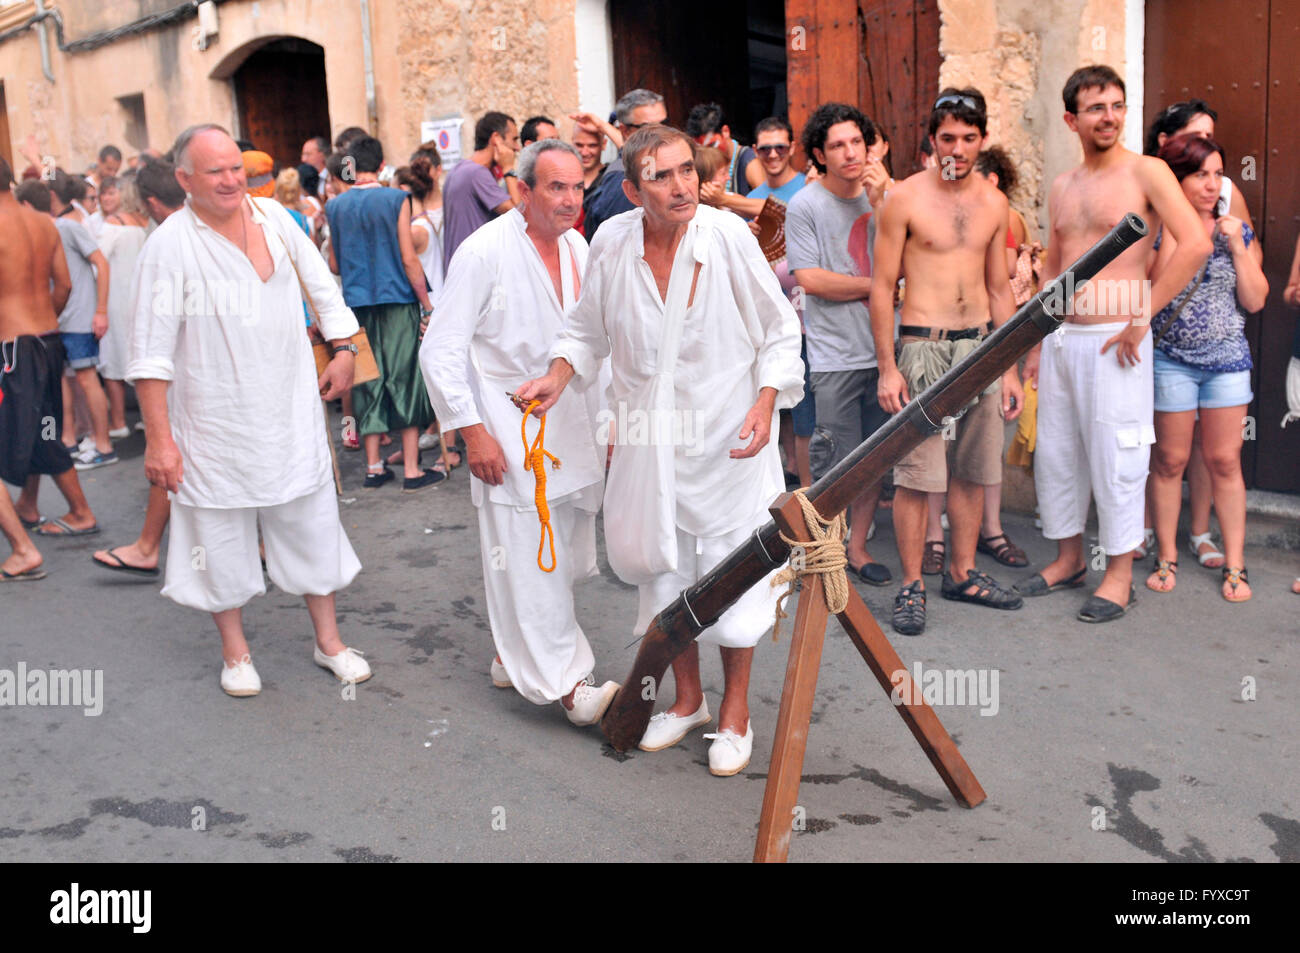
{"points": [[640, 490]]}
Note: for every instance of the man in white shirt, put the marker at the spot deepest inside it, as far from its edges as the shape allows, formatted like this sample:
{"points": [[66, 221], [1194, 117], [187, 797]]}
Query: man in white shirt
{"points": [[232, 405], [503, 304], [698, 273]]}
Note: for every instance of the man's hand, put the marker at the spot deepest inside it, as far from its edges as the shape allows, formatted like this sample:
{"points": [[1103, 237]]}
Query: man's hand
{"points": [[337, 379], [162, 464], [99, 324], [487, 460], [1126, 345], [891, 391], [547, 389], [1031, 365], [757, 427], [1013, 396], [875, 179], [1292, 294], [594, 124]]}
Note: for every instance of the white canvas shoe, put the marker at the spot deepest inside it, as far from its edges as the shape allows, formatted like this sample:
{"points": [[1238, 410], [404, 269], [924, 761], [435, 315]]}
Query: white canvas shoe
{"points": [[590, 702], [666, 729], [729, 752], [500, 678], [121, 433], [240, 679], [347, 666]]}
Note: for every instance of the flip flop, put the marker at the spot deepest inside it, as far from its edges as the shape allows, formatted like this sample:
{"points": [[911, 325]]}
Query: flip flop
{"points": [[32, 524], [65, 529], [123, 566], [30, 575]]}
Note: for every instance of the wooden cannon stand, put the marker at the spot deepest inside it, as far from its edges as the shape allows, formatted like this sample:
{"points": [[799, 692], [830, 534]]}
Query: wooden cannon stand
{"points": [[782, 791]]}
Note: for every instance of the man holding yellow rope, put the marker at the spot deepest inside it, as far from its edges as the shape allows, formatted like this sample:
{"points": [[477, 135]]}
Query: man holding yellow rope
{"points": [[500, 309], [704, 351]]}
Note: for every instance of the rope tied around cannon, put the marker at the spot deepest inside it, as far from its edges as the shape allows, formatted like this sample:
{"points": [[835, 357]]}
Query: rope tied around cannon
{"points": [[823, 555]]}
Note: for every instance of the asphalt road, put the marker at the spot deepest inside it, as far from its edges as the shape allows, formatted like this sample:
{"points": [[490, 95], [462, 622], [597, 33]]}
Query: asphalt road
{"points": [[1140, 723]]}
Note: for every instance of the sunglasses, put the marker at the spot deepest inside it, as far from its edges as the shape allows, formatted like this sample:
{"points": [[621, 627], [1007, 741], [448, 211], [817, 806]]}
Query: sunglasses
{"points": [[776, 149], [952, 99]]}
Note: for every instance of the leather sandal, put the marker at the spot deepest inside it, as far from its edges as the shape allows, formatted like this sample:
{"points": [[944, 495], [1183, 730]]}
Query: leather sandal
{"points": [[1005, 552], [1097, 609], [1234, 578], [981, 589], [1165, 570], [1196, 542], [909, 609], [933, 560]]}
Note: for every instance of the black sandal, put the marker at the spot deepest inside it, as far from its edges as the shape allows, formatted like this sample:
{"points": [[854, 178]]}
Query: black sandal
{"points": [[909, 609], [981, 589]]}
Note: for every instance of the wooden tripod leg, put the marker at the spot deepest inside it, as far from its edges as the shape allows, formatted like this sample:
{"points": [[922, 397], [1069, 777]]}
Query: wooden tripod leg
{"points": [[920, 717], [791, 740]]}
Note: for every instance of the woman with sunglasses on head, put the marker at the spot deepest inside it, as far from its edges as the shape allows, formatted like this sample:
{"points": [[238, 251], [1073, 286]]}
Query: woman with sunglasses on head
{"points": [[1195, 117], [1203, 362]]}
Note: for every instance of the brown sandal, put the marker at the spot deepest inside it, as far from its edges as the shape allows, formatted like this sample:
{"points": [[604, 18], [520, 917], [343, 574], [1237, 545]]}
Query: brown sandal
{"points": [[1234, 578], [932, 561], [1164, 575], [1005, 552]]}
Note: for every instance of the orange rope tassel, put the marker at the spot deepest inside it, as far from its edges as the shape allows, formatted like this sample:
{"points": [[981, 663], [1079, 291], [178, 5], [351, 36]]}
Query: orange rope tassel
{"points": [[535, 458]]}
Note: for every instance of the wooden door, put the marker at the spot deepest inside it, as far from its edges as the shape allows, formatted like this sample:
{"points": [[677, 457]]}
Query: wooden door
{"points": [[1248, 74], [281, 96], [879, 55], [687, 53]]}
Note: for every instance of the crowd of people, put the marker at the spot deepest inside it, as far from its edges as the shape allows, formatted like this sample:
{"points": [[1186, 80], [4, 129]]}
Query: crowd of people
{"points": [[532, 276]]}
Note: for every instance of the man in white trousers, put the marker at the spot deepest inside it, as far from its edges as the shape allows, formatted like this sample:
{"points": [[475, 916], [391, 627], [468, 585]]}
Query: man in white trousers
{"points": [[677, 291], [499, 311], [232, 405]]}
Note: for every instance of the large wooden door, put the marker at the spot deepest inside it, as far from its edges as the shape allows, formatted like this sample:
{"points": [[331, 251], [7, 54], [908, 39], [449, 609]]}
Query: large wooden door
{"points": [[280, 93], [879, 55], [1247, 72], [689, 54]]}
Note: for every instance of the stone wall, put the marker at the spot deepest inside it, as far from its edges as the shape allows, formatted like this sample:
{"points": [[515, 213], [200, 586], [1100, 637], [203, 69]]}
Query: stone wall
{"points": [[1019, 54]]}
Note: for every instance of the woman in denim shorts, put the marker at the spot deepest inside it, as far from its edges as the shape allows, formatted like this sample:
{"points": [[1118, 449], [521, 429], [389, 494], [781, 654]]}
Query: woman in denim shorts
{"points": [[1202, 363]]}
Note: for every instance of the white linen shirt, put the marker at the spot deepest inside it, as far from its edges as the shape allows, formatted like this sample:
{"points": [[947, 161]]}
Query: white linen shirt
{"points": [[740, 334], [491, 331], [244, 402]]}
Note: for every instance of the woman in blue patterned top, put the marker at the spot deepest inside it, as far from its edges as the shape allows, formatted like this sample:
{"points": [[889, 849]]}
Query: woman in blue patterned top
{"points": [[1202, 361]]}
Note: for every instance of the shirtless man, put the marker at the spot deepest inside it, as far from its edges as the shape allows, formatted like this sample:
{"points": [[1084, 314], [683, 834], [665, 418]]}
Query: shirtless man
{"points": [[1095, 387], [946, 229], [34, 287]]}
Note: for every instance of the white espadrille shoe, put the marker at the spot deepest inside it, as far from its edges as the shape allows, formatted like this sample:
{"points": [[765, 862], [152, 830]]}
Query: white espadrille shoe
{"points": [[666, 729], [500, 677], [240, 679], [347, 666], [729, 753], [590, 702]]}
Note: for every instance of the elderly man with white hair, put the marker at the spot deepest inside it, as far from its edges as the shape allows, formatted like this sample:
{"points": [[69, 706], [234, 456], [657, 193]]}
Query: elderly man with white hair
{"points": [[232, 404], [705, 346], [501, 307]]}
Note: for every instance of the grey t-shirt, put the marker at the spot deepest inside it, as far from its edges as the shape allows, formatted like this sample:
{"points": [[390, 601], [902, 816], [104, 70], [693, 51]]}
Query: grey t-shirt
{"points": [[469, 195], [828, 232], [78, 315]]}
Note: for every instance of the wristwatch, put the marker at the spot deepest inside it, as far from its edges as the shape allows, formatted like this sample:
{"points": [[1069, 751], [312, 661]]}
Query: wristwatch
{"points": [[510, 175], [339, 349]]}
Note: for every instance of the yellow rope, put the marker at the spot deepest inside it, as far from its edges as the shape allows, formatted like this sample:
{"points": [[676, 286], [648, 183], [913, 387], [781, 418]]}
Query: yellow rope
{"points": [[824, 555], [535, 458]]}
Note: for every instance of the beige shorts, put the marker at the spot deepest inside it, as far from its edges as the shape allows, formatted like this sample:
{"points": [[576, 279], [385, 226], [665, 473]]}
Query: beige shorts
{"points": [[969, 448]]}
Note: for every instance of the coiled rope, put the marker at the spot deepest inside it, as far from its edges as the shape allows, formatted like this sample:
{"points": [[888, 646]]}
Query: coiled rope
{"points": [[823, 555]]}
